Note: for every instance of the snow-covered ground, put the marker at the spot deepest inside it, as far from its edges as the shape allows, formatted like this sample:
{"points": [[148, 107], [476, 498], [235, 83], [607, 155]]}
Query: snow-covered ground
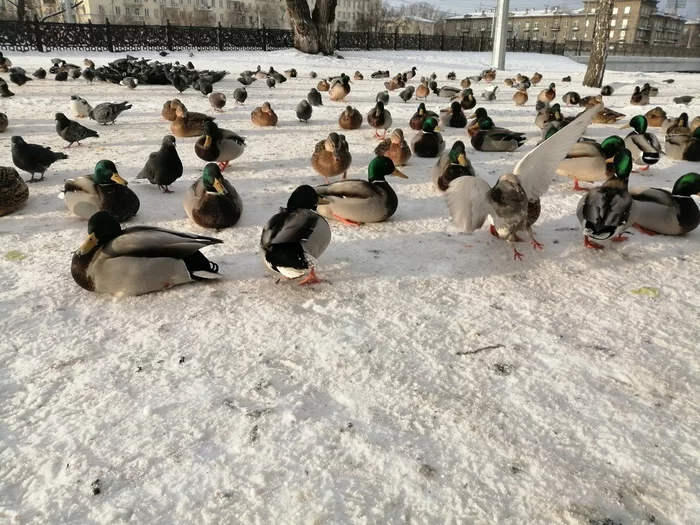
{"points": [[430, 380]]}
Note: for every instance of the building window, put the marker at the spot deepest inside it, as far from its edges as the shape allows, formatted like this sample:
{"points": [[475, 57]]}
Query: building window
{"points": [[459, 26], [127, 11], [566, 23], [627, 10], [587, 21], [483, 26], [585, 35], [613, 23], [117, 10], [593, 11], [612, 34], [622, 34], [624, 23], [146, 13], [544, 34], [527, 26], [614, 10], [137, 11], [536, 26]]}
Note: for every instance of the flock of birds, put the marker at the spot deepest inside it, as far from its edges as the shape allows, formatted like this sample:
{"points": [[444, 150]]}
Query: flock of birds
{"points": [[144, 259]]}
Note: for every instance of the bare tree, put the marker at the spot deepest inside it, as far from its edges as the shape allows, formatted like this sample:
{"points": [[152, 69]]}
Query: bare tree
{"points": [[60, 11], [24, 8], [313, 31], [268, 13], [375, 19], [599, 48]]}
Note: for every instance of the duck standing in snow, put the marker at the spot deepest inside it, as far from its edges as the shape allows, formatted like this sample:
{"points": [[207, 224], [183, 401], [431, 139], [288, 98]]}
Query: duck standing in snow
{"points": [[379, 118], [219, 145], [350, 118]]}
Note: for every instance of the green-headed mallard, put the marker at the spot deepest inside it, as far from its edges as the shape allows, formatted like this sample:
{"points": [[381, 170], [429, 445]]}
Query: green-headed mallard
{"points": [[13, 190], [358, 201], [656, 117], [466, 99], [639, 98], [219, 145], [451, 165], [514, 201], [350, 118], [520, 97], [340, 89], [428, 142], [419, 117], [264, 115], [395, 147], [605, 211], [645, 147], [668, 213], [453, 117], [294, 239], [379, 118], [684, 147], [590, 162], [140, 259], [331, 156], [188, 123], [104, 190], [490, 138], [212, 202], [547, 95]]}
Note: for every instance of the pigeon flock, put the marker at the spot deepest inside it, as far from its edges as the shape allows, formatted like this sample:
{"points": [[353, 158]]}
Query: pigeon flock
{"points": [[143, 259]]}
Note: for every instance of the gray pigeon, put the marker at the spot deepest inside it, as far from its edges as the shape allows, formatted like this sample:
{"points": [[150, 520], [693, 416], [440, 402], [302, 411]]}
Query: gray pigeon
{"points": [[74, 73], [89, 75], [33, 158], [314, 97], [407, 93], [205, 87], [304, 111], [108, 112], [129, 82], [270, 82], [685, 99], [40, 73], [217, 101], [240, 95], [18, 77], [383, 97], [490, 94], [313, 75], [72, 131], [5, 91], [164, 166]]}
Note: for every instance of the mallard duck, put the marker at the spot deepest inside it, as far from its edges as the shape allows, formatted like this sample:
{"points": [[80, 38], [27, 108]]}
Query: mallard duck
{"points": [[590, 101], [639, 98], [294, 239], [508, 82], [473, 126], [350, 118], [418, 118], [684, 147], [188, 124], [520, 97], [571, 98], [655, 117], [428, 142], [219, 145], [422, 91], [466, 99], [679, 127], [605, 211], [490, 138], [670, 121], [607, 91], [341, 89], [490, 94], [454, 117], [4, 123], [649, 90], [212, 202], [264, 115], [169, 112], [589, 161], [14, 192], [451, 165], [514, 201], [395, 147], [358, 201], [331, 156], [534, 79], [566, 79], [488, 75], [547, 95], [104, 190], [379, 118], [446, 91], [138, 260], [645, 147], [465, 83], [547, 115], [358, 76], [668, 213], [695, 124], [607, 116]]}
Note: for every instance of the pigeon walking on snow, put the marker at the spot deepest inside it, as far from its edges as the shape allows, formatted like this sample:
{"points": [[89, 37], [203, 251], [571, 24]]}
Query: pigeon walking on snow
{"points": [[217, 101], [18, 77], [79, 106], [107, 112], [304, 111], [240, 95], [33, 158], [164, 166], [40, 74], [72, 131]]}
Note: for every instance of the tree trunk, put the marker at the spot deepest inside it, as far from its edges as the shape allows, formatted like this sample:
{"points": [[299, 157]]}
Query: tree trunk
{"points": [[313, 33], [599, 48], [21, 10]]}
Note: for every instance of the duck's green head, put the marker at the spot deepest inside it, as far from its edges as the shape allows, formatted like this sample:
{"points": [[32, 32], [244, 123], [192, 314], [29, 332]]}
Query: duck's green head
{"points": [[555, 110], [305, 197], [552, 85], [485, 123], [687, 185], [458, 154], [638, 123], [346, 80], [380, 167], [696, 133], [431, 125], [550, 132], [612, 145], [212, 179], [623, 163], [468, 92], [106, 173], [479, 113], [102, 228]]}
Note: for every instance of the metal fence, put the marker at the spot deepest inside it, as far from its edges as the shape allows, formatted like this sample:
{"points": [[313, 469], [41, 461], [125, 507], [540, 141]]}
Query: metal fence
{"points": [[48, 36]]}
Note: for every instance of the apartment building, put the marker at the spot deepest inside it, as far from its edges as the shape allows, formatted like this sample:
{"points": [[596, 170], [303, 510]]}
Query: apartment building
{"points": [[691, 33], [633, 21]]}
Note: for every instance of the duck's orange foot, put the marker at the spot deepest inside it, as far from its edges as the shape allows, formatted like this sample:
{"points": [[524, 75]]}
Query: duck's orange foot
{"points": [[346, 221], [517, 255], [619, 238], [312, 278], [590, 244], [643, 229], [577, 187], [536, 245]]}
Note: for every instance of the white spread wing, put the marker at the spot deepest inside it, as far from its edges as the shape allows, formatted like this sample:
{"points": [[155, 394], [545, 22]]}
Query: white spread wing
{"points": [[536, 169], [468, 202]]}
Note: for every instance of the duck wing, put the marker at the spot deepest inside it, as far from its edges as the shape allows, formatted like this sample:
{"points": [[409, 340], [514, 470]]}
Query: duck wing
{"points": [[347, 189], [469, 202], [535, 170], [149, 241]]}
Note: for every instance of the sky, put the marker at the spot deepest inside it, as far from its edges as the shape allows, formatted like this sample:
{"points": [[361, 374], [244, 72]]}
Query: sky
{"points": [[460, 7]]}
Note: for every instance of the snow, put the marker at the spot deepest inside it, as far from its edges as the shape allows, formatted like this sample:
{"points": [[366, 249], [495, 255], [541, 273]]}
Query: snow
{"points": [[432, 379]]}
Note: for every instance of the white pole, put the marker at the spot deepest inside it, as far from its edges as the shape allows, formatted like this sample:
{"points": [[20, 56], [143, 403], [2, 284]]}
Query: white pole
{"points": [[500, 20], [69, 11]]}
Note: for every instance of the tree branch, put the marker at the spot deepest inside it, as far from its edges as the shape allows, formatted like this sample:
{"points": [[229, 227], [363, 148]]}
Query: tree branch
{"points": [[51, 15], [11, 3]]}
